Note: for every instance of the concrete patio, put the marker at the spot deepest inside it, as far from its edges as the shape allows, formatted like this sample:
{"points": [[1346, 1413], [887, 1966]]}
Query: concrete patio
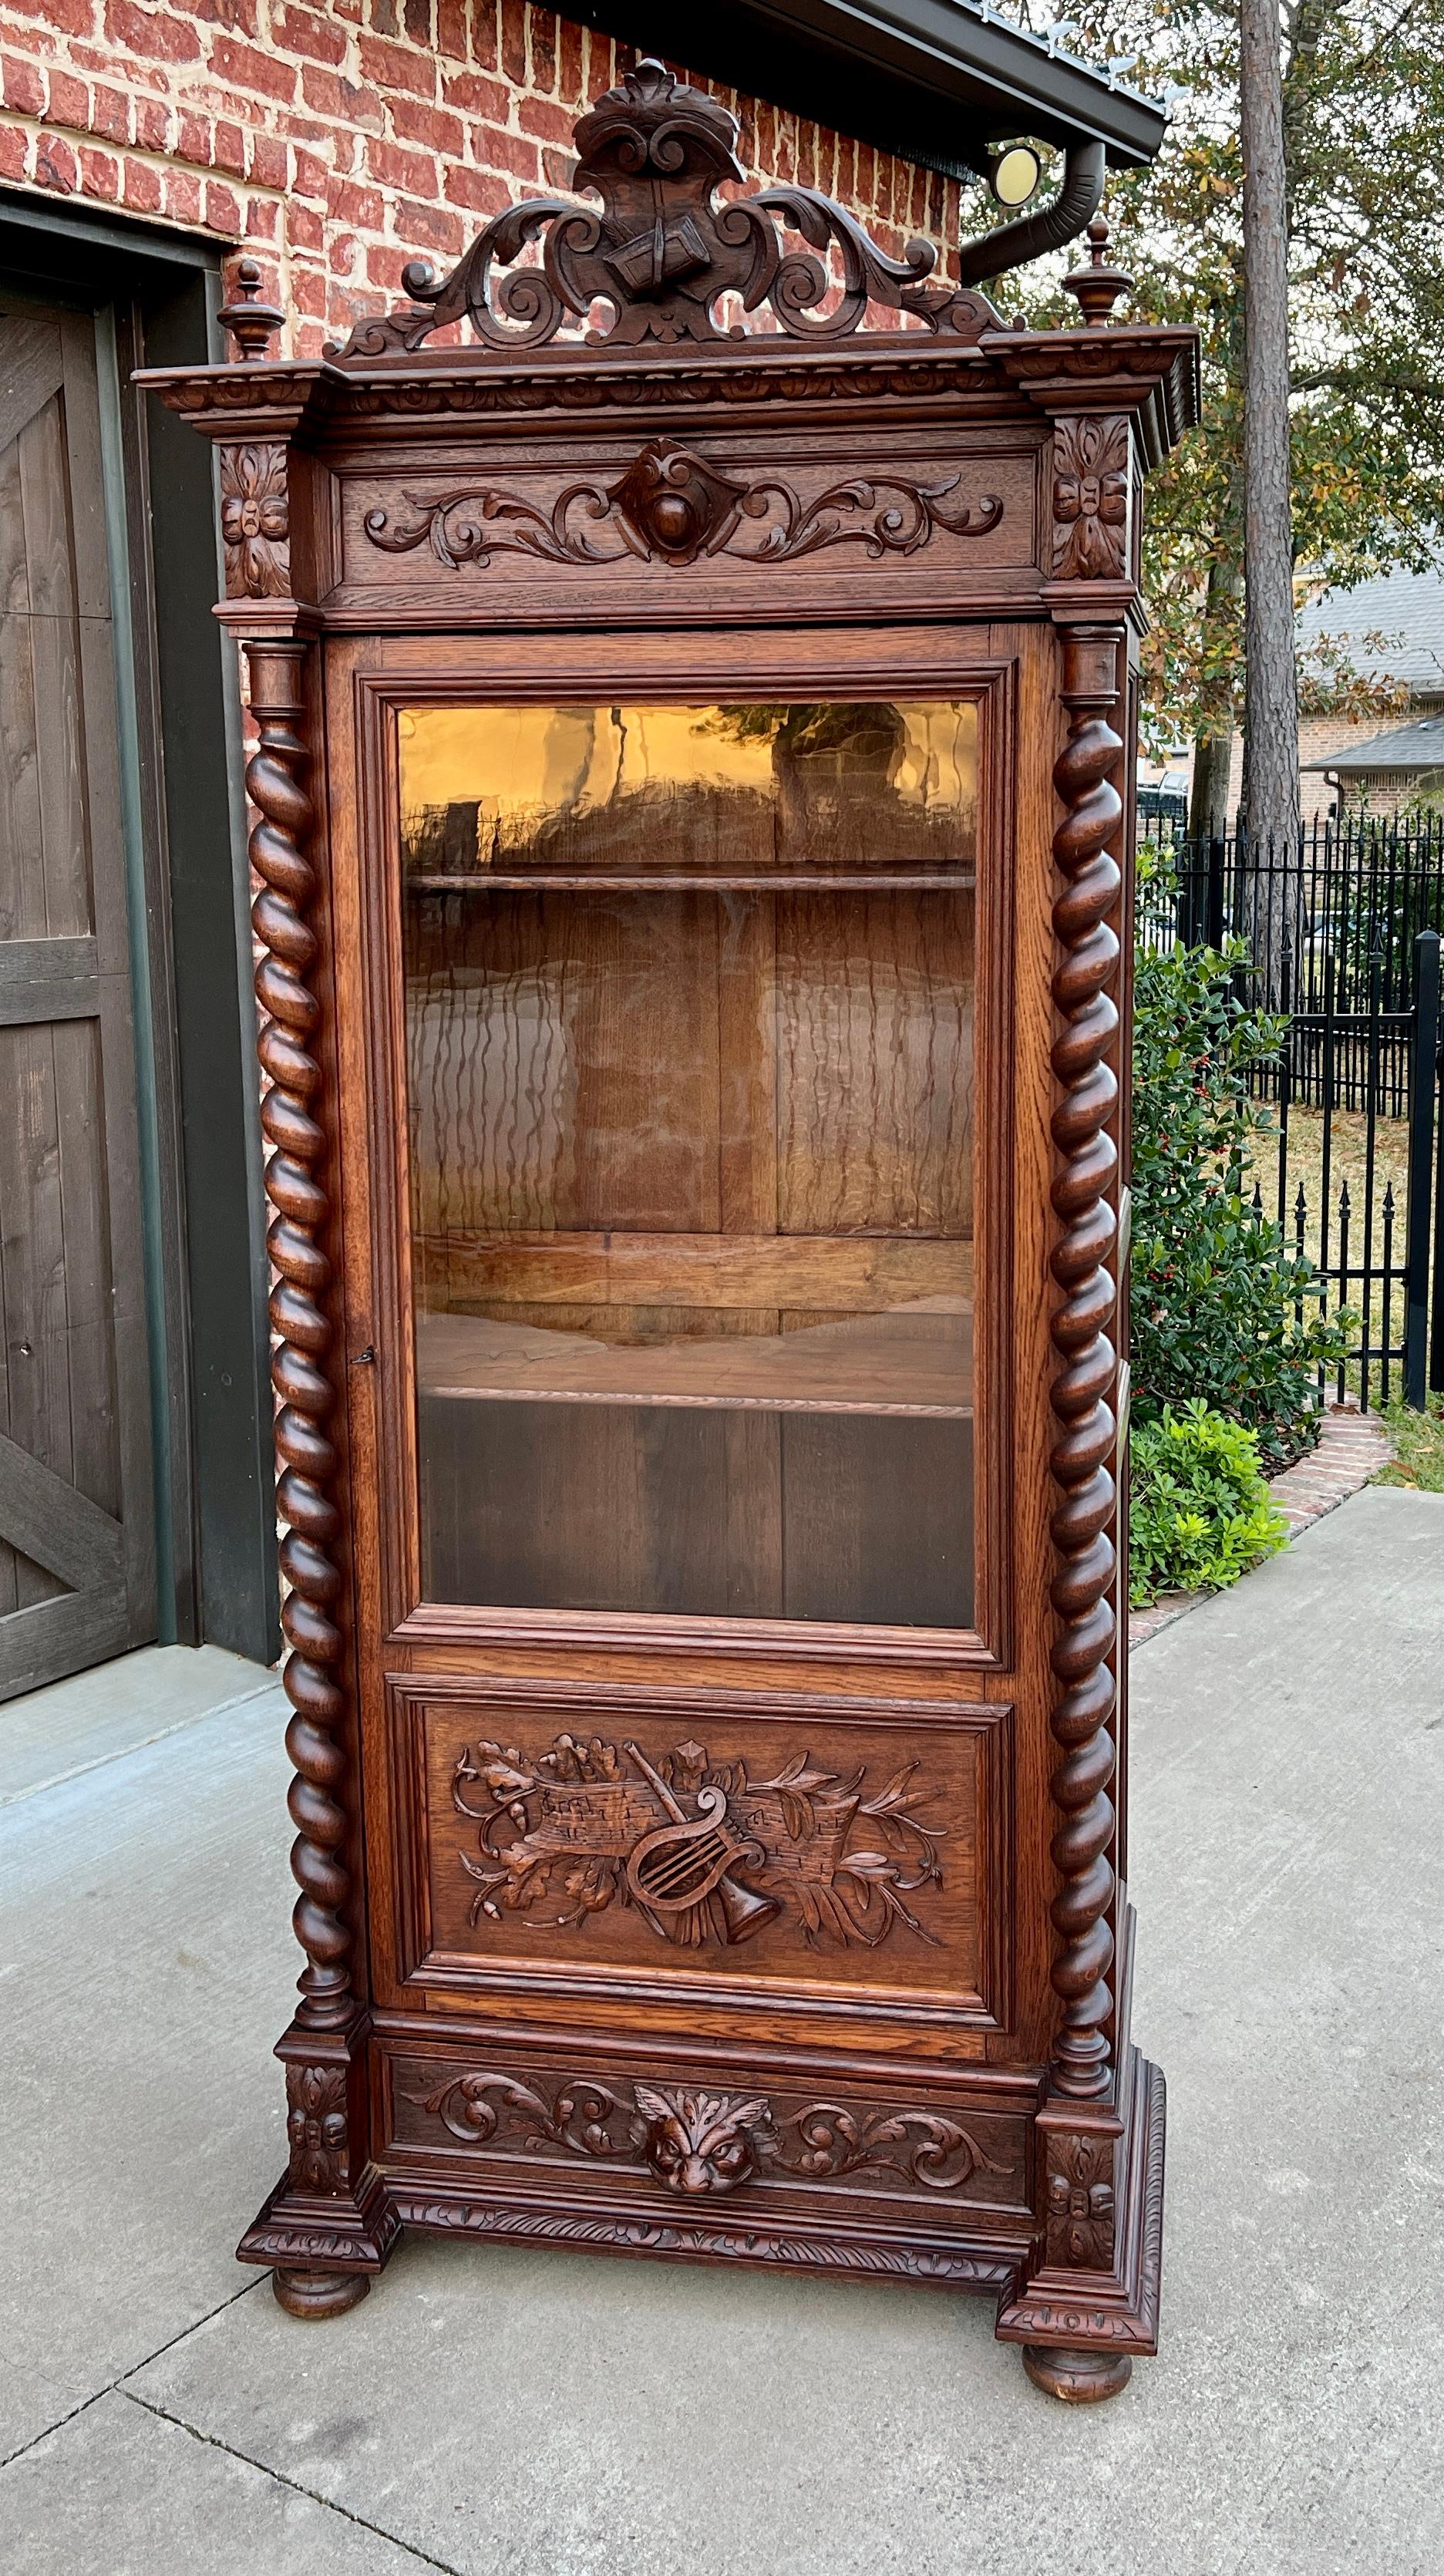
{"points": [[493, 2409]]}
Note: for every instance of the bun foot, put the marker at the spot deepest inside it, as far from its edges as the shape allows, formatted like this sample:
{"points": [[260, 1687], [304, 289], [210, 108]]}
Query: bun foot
{"points": [[1079, 2377], [319, 2294]]}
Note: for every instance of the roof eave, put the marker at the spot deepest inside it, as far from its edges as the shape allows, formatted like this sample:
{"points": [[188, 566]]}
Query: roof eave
{"points": [[933, 80]]}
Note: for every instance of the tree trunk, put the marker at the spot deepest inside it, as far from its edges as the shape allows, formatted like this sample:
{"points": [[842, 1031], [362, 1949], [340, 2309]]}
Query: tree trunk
{"points": [[1271, 695], [1208, 796]]}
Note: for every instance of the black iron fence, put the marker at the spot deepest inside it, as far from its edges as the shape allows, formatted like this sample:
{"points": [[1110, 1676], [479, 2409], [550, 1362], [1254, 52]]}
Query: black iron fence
{"points": [[1343, 938], [1332, 930]]}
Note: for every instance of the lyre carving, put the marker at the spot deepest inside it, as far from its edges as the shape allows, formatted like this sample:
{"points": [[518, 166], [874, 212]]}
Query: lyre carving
{"points": [[590, 1824], [661, 251]]}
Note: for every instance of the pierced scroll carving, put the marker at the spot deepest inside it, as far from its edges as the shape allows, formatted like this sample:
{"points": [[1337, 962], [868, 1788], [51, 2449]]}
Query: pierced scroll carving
{"points": [[1082, 1390], [695, 2141], [316, 2128], [297, 1191], [1090, 499], [661, 251], [671, 504], [589, 1824], [255, 522]]}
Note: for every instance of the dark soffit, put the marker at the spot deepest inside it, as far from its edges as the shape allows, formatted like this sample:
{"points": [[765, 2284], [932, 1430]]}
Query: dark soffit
{"points": [[937, 81]]}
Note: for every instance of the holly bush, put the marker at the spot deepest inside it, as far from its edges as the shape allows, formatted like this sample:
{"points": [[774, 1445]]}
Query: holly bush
{"points": [[1221, 1308], [1199, 1511]]}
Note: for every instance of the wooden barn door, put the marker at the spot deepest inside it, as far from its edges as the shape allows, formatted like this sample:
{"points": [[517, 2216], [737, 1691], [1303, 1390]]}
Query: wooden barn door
{"points": [[77, 1542]]}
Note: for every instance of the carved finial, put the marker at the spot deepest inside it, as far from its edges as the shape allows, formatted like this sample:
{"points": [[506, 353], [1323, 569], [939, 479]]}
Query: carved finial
{"points": [[251, 324], [1097, 287]]}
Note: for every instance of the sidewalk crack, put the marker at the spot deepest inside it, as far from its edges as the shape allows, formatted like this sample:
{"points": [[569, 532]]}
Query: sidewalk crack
{"points": [[424, 2558], [118, 2384]]}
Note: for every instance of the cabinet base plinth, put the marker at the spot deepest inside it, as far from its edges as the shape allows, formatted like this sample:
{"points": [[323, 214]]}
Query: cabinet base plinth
{"points": [[1079, 2378], [319, 2294]]}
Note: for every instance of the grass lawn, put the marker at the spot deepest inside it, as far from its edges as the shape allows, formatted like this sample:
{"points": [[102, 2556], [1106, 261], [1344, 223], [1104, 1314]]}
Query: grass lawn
{"points": [[1419, 1441], [1348, 1162]]}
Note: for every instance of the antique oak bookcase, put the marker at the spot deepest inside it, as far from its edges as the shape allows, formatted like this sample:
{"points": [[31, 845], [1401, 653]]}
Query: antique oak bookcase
{"points": [[690, 826]]}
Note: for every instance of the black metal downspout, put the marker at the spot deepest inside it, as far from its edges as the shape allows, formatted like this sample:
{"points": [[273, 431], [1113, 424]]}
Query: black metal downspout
{"points": [[1047, 227]]}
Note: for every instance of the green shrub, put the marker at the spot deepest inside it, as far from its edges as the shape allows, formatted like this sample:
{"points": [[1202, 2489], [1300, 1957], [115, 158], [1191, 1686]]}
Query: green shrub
{"points": [[1199, 1511], [1220, 1307]]}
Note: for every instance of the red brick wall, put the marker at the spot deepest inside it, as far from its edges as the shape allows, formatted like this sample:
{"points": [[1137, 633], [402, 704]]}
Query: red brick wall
{"points": [[338, 138]]}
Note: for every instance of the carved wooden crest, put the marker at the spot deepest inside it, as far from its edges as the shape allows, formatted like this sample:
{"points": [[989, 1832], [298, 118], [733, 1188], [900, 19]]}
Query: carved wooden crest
{"points": [[661, 251], [705, 1854]]}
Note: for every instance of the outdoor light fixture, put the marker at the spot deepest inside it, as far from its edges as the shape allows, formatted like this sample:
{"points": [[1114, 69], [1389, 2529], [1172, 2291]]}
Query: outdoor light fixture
{"points": [[1013, 175]]}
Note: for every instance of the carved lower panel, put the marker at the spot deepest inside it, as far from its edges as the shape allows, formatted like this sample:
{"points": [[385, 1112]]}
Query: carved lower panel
{"points": [[857, 1848], [699, 2140]]}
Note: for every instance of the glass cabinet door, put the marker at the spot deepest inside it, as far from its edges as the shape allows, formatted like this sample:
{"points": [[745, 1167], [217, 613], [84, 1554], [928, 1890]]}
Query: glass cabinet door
{"points": [[689, 997]]}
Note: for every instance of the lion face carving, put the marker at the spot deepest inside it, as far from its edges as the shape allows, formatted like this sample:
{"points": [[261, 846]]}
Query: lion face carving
{"points": [[702, 2142]]}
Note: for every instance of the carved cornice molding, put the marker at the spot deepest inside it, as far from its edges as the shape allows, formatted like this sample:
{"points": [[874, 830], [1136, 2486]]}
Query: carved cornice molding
{"points": [[672, 505]]}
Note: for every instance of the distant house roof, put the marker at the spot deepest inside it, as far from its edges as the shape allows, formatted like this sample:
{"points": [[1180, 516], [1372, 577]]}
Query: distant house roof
{"points": [[1411, 747], [936, 81], [1406, 609]]}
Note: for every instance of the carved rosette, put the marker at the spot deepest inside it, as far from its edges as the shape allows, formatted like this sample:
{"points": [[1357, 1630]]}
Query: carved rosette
{"points": [[316, 2128], [1090, 499], [255, 522], [307, 1457], [1078, 2174], [1083, 1385]]}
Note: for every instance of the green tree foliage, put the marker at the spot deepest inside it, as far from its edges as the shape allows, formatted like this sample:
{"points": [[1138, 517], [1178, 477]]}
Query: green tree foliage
{"points": [[1221, 1309], [1364, 139]]}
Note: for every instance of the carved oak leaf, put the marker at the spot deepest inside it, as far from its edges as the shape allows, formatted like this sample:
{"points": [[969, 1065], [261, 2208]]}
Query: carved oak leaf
{"points": [[1090, 499], [255, 522]]}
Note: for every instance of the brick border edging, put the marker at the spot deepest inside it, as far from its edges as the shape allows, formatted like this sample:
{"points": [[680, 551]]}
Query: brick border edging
{"points": [[1352, 1447]]}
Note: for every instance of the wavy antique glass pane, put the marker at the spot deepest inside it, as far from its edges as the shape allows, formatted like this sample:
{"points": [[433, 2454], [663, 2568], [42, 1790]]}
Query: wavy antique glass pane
{"points": [[690, 1019]]}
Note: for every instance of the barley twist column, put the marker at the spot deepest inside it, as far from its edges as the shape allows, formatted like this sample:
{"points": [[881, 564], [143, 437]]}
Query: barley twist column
{"points": [[1084, 1381], [306, 1455]]}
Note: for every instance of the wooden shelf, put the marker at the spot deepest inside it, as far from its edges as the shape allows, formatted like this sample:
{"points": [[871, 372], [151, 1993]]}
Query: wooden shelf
{"points": [[917, 1359], [701, 881]]}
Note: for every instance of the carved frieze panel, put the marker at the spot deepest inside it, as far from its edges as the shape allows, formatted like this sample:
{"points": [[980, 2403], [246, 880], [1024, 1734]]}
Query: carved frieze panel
{"points": [[672, 507], [255, 522], [855, 1856], [698, 2143]]}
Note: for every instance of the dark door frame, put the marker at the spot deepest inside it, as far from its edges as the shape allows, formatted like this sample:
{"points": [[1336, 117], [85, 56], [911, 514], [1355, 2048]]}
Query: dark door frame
{"points": [[154, 296]]}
